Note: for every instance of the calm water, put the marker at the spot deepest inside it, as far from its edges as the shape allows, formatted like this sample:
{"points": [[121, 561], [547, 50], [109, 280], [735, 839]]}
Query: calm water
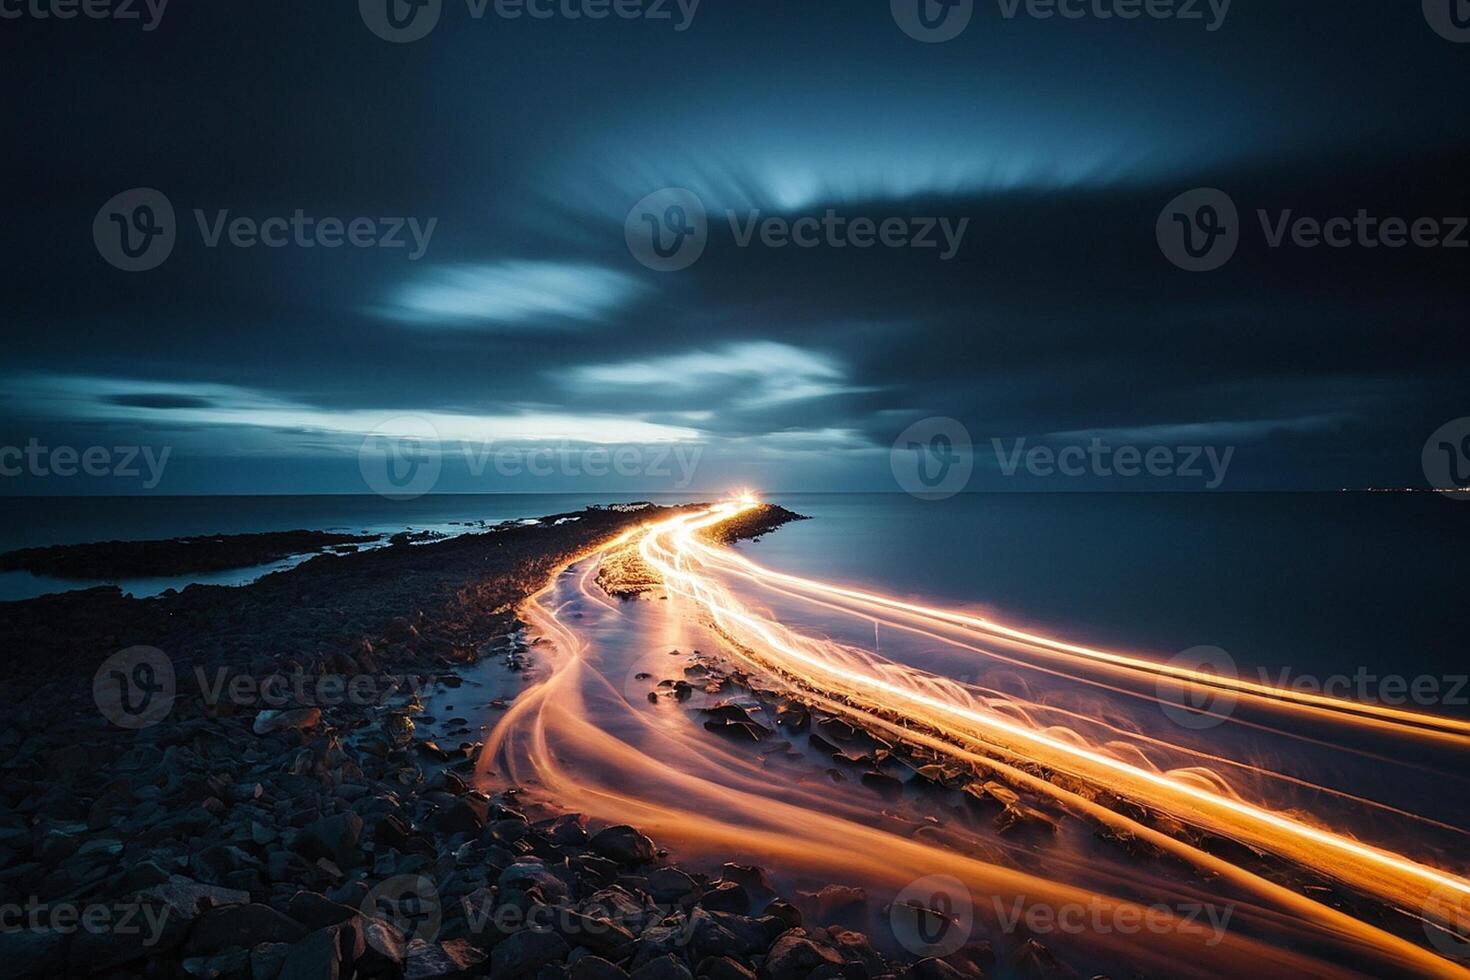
{"points": [[1312, 580]]}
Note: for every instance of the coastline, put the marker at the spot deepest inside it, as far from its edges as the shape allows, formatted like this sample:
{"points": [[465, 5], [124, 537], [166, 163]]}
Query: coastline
{"points": [[248, 780]]}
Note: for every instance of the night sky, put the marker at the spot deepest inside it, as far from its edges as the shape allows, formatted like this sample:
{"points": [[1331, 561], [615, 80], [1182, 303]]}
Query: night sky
{"points": [[528, 321]]}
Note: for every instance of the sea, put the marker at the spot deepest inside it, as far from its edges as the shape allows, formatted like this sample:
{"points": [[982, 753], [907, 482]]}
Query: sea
{"points": [[1310, 580]]}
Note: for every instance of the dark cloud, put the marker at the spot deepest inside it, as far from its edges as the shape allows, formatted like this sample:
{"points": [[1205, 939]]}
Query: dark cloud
{"points": [[1055, 143]]}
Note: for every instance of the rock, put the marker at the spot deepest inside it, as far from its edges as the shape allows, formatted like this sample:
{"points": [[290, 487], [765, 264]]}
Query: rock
{"points": [[525, 952], [883, 784], [1035, 962], [784, 912], [935, 969], [317, 957], [267, 960], [726, 896], [187, 899], [523, 876], [569, 828], [464, 816], [595, 968], [298, 719], [334, 838], [835, 900], [451, 958], [724, 968], [794, 957], [665, 967], [316, 911], [1019, 819], [241, 925], [669, 884], [624, 845]]}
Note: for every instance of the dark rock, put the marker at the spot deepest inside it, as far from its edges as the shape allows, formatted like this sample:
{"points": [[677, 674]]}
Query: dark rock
{"points": [[665, 967], [316, 911], [595, 968], [935, 969], [334, 838], [724, 968], [451, 958], [726, 896], [294, 719], [794, 957], [624, 845], [241, 925], [525, 952]]}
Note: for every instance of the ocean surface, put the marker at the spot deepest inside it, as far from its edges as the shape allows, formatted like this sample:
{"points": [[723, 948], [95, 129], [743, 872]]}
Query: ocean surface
{"points": [[1313, 582]]}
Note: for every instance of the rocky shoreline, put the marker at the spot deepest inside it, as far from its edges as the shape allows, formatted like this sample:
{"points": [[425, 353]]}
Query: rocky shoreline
{"points": [[230, 783], [178, 556]]}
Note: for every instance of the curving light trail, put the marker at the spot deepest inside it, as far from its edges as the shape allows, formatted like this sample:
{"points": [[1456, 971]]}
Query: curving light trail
{"points": [[586, 744]]}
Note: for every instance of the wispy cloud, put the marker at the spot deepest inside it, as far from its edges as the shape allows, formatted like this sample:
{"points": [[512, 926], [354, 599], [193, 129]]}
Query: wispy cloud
{"points": [[769, 373], [509, 294]]}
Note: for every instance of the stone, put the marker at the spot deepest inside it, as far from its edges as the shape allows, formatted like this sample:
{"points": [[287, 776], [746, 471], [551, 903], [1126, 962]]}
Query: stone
{"points": [[334, 838], [297, 719], [665, 967], [595, 968], [451, 958], [794, 957], [525, 952], [241, 925], [624, 845]]}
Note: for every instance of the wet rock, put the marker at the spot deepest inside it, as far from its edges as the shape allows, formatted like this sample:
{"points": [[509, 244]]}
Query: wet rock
{"points": [[666, 967], [334, 838], [624, 845], [1035, 962], [936, 969], [835, 900], [525, 875], [669, 884], [783, 912], [525, 952], [724, 968], [316, 911], [293, 719], [1019, 820], [241, 925], [451, 958], [795, 957], [595, 968], [726, 896], [317, 957], [464, 816]]}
